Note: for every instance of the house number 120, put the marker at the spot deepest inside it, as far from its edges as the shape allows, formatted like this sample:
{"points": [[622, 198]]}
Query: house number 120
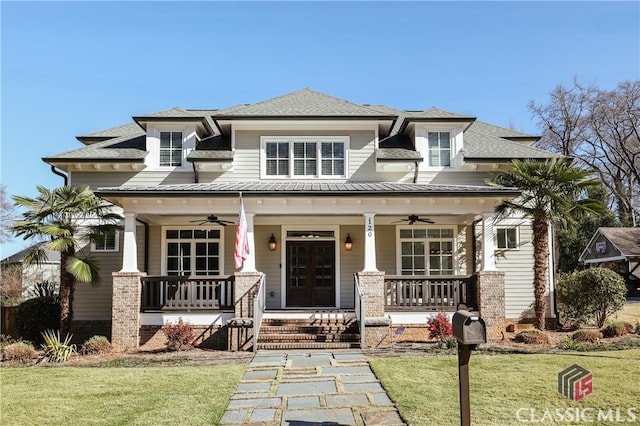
{"points": [[369, 227]]}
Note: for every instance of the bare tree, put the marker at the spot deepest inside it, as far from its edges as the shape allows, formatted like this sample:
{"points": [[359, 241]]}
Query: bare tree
{"points": [[600, 129], [7, 213]]}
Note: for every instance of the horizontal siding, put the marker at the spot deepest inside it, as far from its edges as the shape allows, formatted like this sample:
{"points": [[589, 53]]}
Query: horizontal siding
{"points": [[454, 178], [268, 262], [385, 251], [142, 178]]}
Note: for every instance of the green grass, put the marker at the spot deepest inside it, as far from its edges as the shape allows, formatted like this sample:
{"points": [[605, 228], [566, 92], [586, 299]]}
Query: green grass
{"points": [[117, 396], [425, 389], [629, 313]]}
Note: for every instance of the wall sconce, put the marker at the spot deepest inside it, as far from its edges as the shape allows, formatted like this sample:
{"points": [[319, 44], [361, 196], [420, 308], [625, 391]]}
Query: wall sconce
{"points": [[272, 243], [348, 244]]}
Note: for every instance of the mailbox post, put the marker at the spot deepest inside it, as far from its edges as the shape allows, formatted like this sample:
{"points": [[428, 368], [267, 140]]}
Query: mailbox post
{"points": [[470, 330]]}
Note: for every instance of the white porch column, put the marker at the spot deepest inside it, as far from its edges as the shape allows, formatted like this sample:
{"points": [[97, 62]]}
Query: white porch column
{"points": [[130, 247], [488, 245], [249, 264], [369, 243]]}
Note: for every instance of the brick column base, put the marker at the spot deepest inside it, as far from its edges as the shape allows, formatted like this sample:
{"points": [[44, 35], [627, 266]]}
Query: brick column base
{"points": [[377, 327], [125, 311], [241, 327], [490, 299]]}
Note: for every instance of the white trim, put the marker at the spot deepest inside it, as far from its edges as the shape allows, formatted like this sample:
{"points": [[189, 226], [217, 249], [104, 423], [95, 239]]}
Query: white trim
{"points": [[152, 160], [116, 248], [163, 243], [290, 140], [307, 125], [161, 318], [604, 259], [453, 239], [283, 259], [506, 227], [422, 145]]}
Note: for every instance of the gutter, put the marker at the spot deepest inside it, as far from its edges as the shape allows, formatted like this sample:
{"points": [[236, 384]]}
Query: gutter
{"points": [[62, 175]]}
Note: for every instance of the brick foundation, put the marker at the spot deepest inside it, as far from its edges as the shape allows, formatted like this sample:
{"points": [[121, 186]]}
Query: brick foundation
{"points": [[83, 330], [207, 336], [125, 311], [490, 300]]}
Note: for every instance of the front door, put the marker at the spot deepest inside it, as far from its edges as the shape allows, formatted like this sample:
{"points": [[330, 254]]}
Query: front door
{"points": [[310, 273]]}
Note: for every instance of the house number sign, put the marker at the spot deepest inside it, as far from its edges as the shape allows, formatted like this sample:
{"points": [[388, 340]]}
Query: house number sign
{"points": [[369, 227]]}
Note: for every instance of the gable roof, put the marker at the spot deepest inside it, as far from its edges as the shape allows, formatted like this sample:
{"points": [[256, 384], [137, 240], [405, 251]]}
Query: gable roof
{"points": [[52, 256], [626, 240], [303, 103], [129, 129]]}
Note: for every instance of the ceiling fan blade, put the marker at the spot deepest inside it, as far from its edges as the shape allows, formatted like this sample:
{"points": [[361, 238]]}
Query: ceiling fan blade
{"points": [[426, 221]]}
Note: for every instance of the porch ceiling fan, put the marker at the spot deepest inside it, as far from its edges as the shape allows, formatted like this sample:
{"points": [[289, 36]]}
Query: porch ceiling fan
{"points": [[212, 219], [413, 218]]}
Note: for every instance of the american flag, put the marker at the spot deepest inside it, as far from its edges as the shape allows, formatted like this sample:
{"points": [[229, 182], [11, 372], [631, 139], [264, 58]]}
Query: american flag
{"points": [[242, 243]]}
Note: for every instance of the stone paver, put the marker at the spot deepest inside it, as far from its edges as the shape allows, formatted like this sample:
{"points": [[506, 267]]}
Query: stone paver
{"points": [[310, 388]]}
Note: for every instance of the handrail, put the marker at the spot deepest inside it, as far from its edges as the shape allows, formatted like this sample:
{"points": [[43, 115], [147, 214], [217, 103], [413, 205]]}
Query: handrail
{"points": [[359, 307], [171, 292], [259, 303], [429, 292]]}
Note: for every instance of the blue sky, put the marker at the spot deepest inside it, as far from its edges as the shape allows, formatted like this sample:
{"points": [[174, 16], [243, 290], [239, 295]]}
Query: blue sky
{"points": [[72, 68]]}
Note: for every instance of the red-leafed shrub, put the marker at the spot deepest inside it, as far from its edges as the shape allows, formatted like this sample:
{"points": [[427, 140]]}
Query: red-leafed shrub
{"points": [[179, 335], [440, 328]]}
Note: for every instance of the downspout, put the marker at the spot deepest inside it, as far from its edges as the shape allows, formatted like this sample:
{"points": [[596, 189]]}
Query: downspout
{"points": [[196, 175], [62, 175], [146, 244], [415, 171]]}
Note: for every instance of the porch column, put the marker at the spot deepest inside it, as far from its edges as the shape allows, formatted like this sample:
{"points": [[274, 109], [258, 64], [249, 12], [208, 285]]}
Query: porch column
{"points": [[241, 327], [249, 264], [125, 310], [491, 303], [488, 245], [130, 247], [369, 243]]}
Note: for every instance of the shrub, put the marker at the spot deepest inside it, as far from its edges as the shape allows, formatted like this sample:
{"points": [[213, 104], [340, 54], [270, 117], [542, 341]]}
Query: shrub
{"points": [[96, 345], [615, 329], [55, 348], [19, 351], [592, 294], [532, 337], [439, 328], [591, 336], [44, 289], [569, 344], [637, 328], [34, 316], [179, 335]]}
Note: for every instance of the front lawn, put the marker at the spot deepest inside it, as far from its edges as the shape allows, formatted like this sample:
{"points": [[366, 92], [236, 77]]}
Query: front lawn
{"points": [[116, 395], [425, 389]]}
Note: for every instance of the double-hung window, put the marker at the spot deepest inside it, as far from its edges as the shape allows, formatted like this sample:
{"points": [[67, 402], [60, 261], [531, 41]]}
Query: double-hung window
{"points": [[304, 156], [507, 238], [439, 146], [426, 251], [193, 252], [170, 149], [105, 241]]}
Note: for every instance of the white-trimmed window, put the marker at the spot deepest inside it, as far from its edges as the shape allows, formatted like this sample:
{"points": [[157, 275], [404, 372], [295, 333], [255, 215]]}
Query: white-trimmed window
{"points": [[426, 251], [193, 251], [171, 148], [304, 156], [106, 241], [507, 237], [439, 149]]}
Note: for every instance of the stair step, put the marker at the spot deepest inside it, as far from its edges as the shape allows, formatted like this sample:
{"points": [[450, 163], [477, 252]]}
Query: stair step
{"points": [[333, 337], [308, 345], [280, 322], [306, 329]]}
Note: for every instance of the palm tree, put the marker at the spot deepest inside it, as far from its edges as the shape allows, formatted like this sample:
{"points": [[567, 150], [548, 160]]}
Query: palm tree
{"points": [[66, 219], [553, 192]]}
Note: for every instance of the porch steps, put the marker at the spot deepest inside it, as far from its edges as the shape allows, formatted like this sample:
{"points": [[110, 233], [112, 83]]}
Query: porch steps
{"points": [[311, 333]]}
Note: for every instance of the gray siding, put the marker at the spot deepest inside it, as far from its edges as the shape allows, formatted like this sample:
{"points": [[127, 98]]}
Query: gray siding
{"points": [[268, 261]]}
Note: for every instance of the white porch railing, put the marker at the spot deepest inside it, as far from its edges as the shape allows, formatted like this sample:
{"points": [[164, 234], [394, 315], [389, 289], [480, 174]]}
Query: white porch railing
{"points": [[359, 306], [259, 303]]}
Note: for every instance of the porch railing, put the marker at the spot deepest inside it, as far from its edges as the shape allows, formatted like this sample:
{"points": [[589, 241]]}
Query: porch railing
{"points": [[359, 306], [429, 292], [187, 293], [259, 303]]}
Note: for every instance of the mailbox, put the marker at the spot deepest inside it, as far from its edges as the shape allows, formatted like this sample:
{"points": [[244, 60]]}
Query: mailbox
{"points": [[469, 328]]}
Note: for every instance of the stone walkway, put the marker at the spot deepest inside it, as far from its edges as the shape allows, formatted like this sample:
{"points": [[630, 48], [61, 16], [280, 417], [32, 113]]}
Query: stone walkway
{"points": [[310, 388]]}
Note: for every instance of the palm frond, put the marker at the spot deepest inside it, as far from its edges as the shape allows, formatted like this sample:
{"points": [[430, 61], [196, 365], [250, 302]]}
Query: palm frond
{"points": [[84, 270]]}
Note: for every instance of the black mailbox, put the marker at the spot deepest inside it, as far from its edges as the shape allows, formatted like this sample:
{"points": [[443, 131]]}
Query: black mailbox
{"points": [[469, 328]]}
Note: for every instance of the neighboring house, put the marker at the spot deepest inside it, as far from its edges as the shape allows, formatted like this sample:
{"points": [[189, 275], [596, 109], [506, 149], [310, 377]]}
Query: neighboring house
{"points": [[353, 211], [48, 270], [617, 249]]}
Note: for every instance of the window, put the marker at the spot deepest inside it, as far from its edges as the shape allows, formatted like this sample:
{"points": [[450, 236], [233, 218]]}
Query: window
{"points": [[426, 251], [106, 241], [193, 252], [171, 149], [304, 156], [507, 238], [439, 145]]}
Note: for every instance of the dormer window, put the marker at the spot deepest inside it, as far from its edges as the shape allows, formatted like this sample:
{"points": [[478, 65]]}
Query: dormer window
{"points": [[304, 156], [171, 149], [439, 146]]}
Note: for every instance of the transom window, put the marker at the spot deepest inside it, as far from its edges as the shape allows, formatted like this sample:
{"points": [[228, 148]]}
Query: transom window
{"points": [[507, 238], [439, 145], [193, 252], [304, 156], [171, 149], [426, 251], [106, 241]]}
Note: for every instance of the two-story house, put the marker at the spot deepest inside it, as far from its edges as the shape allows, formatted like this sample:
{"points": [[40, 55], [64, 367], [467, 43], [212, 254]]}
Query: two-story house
{"points": [[365, 214]]}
